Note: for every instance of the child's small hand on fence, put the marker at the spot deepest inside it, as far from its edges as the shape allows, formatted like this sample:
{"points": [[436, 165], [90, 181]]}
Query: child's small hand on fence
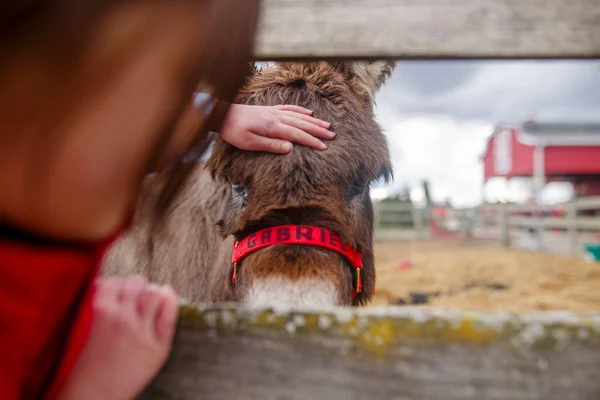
{"points": [[274, 128]]}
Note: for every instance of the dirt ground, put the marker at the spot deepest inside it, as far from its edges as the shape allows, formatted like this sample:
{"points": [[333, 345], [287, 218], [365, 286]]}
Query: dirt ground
{"points": [[485, 278]]}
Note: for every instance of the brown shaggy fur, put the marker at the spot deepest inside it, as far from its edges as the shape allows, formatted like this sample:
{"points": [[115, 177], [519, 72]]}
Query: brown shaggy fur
{"points": [[191, 248]]}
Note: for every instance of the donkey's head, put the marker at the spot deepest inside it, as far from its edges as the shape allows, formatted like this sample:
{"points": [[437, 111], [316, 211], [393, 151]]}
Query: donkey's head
{"points": [[303, 222]]}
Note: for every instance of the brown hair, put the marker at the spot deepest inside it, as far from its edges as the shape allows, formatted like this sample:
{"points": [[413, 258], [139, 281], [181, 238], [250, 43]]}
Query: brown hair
{"points": [[228, 67], [57, 32]]}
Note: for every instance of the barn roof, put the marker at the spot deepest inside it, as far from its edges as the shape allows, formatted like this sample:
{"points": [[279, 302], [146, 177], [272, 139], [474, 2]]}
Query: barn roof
{"points": [[560, 134]]}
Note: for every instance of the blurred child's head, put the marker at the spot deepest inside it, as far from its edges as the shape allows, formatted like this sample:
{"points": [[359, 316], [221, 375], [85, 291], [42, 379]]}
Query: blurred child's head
{"points": [[96, 94]]}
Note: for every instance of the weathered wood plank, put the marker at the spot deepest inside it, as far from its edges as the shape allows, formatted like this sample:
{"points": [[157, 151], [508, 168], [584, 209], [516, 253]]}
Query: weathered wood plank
{"points": [[389, 353], [398, 234], [401, 29], [394, 207], [590, 223], [586, 203], [535, 207], [396, 218]]}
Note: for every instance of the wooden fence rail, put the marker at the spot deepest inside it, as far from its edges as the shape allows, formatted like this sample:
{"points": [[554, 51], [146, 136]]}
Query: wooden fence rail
{"points": [[562, 228], [401, 29], [222, 352], [229, 353]]}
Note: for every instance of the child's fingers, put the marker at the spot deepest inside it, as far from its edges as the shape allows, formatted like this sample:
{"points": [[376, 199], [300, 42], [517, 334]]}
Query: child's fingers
{"points": [[109, 288], [108, 294], [148, 306], [296, 135], [304, 132], [313, 120], [166, 319], [298, 109], [272, 145], [132, 288]]}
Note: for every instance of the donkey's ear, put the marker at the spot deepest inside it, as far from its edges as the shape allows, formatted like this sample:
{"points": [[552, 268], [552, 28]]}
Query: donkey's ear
{"points": [[375, 73], [381, 72], [367, 76]]}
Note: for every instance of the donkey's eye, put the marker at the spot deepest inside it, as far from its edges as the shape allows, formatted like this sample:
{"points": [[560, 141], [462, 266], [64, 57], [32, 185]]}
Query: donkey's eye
{"points": [[356, 189], [239, 190]]}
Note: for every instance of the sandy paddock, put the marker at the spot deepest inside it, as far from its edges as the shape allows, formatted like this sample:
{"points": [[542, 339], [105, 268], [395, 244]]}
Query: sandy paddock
{"points": [[461, 271]]}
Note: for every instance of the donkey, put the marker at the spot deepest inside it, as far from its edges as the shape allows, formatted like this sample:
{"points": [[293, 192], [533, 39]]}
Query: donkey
{"points": [[267, 230]]}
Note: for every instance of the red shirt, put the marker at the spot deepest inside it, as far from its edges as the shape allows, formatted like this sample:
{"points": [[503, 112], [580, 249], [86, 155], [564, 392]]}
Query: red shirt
{"points": [[45, 312]]}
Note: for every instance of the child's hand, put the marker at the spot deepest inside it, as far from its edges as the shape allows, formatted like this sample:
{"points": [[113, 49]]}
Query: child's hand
{"points": [[273, 129]]}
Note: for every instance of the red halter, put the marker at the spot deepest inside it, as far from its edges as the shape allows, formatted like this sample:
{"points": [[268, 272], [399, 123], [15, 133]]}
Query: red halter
{"points": [[297, 234]]}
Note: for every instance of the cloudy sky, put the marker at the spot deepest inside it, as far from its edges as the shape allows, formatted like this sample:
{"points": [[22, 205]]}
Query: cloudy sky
{"points": [[437, 115]]}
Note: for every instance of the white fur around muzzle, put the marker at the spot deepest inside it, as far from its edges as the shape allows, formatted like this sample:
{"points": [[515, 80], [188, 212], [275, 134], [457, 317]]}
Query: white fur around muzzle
{"points": [[282, 292]]}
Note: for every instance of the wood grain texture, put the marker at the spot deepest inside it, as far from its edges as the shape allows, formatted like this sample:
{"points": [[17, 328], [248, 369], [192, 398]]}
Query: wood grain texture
{"points": [[403, 29], [230, 353]]}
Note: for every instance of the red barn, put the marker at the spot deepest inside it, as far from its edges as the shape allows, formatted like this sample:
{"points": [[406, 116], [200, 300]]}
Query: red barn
{"points": [[547, 152]]}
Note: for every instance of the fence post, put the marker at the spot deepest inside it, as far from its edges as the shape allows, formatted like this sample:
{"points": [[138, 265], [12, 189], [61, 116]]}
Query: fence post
{"points": [[417, 216], [503, 216], [571, 215], [477, 221], [376, 215], [469, 218]]}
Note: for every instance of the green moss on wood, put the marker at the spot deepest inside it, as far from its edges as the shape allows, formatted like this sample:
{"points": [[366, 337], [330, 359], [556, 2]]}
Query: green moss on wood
{"points": [[376, 331]]}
